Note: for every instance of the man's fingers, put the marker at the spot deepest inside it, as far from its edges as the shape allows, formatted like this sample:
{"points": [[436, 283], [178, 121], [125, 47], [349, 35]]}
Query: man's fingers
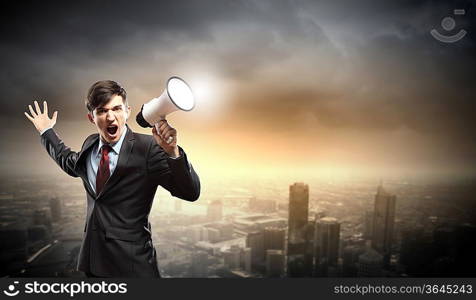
{"points": [[162, 129], [156, 133], [160, 139], [169, 132], [28, 116], [55, 115], [32, 111], [38, 110], [45, 108]]}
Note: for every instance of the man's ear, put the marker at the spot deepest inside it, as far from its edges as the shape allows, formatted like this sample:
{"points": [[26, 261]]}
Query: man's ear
{"points": [[128, 112], [90, 118]]}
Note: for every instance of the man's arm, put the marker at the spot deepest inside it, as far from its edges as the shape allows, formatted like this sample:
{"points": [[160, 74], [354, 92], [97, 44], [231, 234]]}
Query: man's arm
{"points": [[171, 165], [59, 152]]}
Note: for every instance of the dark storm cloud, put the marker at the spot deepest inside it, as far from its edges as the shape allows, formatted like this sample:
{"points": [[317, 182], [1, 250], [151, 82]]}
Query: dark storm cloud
{"points": [[45, 44], [358, 65]]}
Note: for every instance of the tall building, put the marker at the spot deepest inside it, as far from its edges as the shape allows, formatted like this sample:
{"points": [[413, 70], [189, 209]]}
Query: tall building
{"points": [[275, 263], [56, 207], [383, 223], [326, 241], [350, 260], [274, 238], [215, 211], [297, 228], [232, 257], [255, 241], [368, 223], [245, 259]]}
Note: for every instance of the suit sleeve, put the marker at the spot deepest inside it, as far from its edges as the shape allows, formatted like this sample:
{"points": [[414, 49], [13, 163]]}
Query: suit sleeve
{"points": [[59, 152], [176, 175]]}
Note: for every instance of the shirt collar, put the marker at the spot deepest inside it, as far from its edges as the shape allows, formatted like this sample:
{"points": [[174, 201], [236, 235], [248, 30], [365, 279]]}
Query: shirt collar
{"points": [[116, 147]]}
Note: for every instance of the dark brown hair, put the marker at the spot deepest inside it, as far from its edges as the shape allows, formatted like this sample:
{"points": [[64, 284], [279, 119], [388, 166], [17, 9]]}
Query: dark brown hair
{"points": [[102, 91]]}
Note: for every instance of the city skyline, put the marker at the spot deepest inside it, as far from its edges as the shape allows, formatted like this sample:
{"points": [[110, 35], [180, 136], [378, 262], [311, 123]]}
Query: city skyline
{"points": [[248, 236]]}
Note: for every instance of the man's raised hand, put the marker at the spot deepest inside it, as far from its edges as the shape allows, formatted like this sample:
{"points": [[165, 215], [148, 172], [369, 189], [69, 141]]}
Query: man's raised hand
{"points": [[41, 119]]}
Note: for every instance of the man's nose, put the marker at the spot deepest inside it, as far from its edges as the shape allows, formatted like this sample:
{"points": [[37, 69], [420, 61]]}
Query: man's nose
{"points": [[110, 115]]}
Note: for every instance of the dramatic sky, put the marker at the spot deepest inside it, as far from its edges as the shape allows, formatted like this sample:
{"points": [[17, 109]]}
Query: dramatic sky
{"points": [[282, 87]]}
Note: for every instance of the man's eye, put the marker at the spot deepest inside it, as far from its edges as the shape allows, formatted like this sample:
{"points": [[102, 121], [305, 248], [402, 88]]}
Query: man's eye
{"points": [[119, 108]]}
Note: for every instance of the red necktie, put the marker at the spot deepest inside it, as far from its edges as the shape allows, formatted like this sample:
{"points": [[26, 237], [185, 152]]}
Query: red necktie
{"points": [[103, 169]]}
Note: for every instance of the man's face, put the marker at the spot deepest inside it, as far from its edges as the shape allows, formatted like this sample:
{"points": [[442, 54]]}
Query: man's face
{"points": [[110, 119]]}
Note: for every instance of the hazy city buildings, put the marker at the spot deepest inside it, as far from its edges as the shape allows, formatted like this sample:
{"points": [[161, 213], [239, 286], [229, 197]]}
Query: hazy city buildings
{"points": [[41, 235], [350, 260], [326, 241], [368, 224], [383, 223], [255, 241], [274, 238], [297, 266], [275, 263]]}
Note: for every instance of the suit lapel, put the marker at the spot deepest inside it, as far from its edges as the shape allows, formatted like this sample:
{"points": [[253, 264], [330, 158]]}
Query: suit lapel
{"points": [[80, 166], [124, 155]]}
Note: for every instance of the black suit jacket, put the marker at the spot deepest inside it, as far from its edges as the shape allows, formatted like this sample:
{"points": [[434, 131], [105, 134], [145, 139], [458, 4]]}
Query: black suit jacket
{"points": [[117, 236]]}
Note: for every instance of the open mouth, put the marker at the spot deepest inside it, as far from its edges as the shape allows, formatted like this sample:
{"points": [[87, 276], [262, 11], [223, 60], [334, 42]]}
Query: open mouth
{"points": [[112, 129]]}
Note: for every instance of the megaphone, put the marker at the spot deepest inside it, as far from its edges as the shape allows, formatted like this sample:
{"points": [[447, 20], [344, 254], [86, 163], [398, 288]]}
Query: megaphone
{"points": [[177, 95]]}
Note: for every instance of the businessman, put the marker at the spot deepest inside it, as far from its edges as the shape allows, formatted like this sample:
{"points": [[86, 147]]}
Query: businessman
{"points": [[121, 171]]}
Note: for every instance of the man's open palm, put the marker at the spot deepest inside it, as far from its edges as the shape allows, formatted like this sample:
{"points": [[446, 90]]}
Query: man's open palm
{"points": [[41, 119]]}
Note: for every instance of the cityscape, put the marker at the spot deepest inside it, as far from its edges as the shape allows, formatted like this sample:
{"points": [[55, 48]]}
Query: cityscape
{"points": [[260, 229]]}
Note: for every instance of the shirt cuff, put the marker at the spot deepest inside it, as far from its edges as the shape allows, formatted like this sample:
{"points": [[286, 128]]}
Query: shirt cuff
{"points": [[178, 157], [178, 160]]}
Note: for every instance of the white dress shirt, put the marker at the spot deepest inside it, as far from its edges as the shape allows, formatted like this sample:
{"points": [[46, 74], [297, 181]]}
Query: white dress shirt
{"points": [[92, 164], [94, 158]]}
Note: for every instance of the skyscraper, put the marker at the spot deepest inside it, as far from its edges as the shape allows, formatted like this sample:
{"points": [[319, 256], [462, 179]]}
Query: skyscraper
{"points": [[297, 227], [368, 223], [255, 241], [350, 260], [383, 223], [232, 257], [245, 259], [274, 263], [326, 239]]}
